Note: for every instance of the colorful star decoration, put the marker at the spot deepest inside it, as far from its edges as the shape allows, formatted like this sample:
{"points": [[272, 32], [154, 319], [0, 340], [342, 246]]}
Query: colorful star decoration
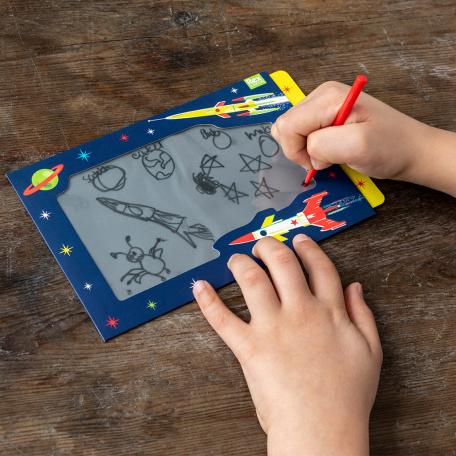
{"points": [[150, 131], [88, 286], [66, 249], [192, 283], [286, 89], [112, 322], [84, 155], [234, 90], [294, 222], [361, 183], [152, 305], [332, 174], [124, 137], [45, 215]]}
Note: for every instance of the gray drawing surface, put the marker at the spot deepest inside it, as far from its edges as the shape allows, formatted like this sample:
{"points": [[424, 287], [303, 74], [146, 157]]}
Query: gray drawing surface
{"points": [[154, 213]]}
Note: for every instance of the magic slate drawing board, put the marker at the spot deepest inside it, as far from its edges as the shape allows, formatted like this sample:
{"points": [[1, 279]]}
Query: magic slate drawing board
{"points": [[137, 216]]}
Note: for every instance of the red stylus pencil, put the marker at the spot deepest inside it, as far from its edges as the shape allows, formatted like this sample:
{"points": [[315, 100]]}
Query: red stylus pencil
{"points": [[343, 113]]}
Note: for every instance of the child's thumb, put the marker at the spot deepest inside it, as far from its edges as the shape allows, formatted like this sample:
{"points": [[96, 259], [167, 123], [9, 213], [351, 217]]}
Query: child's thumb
{"points": [[362, 317], [335, 145]]}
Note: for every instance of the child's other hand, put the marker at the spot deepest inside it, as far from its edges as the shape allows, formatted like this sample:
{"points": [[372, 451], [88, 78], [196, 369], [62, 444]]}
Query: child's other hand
{"points": [[311, 353], [376, 139]]}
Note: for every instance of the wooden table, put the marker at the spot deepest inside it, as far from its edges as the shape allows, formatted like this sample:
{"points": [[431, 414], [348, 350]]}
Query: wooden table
{"points": [[74, 70]]}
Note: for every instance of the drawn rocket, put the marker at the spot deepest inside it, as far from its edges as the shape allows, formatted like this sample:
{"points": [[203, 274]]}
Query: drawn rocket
{"points": [[174, 222], [312, 214], [249, 105]]}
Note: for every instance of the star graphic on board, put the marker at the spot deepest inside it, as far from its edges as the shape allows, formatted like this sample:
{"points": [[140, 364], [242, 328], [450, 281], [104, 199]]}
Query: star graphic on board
{"points": [[360, 183], [294, 222], [66, 249], [124, 137], [262, 188], [234, 90], [151, 305], [192, 284], [112, 322], [88, 286], [253, 164], [332, 174], [208, 163], [150, 131], [84, 155], [45, 215], [232, 193], [286, 89]]}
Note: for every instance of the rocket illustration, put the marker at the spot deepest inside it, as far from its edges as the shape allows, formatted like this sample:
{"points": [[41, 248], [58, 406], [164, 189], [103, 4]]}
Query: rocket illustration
{"points": [[249, 105], [312, 214], [176, 223]]}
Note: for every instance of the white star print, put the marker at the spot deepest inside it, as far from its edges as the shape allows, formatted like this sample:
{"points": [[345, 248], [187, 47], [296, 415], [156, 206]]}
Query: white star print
{"points": [[234, 90], [45, 215], [88, 286], [192, 284], [150, 131]]}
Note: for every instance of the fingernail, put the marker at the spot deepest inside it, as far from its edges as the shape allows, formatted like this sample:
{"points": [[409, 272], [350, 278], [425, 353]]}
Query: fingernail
{"points": [[301, 237], [199, 286], [317, 164], [231, 259], [359, 288]]}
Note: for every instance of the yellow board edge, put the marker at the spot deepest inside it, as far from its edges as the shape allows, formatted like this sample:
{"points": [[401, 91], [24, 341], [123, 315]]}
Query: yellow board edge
{"points": [[364, 183]]}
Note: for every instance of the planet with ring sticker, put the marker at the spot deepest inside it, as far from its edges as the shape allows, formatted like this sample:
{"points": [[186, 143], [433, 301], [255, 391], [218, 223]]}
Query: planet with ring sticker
{"points": [[44, 179]]}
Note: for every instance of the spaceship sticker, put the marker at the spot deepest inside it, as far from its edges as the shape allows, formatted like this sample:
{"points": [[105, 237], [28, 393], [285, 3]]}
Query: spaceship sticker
{"points": [[312, 214], [248, 105]]}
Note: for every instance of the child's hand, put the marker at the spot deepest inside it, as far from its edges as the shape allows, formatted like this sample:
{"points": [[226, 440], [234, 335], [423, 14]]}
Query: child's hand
{"points": [[311, 354], [376, 139]]}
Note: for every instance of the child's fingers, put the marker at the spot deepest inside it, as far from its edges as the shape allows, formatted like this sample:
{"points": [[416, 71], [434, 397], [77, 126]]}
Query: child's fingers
{"points": [[284, 268], [317, 111], [259, 294], [343, 144], [362, 317], [228, 326], [324, 279]]}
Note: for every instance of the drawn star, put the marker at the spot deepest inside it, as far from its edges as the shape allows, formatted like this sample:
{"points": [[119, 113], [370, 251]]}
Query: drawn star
{"points": [[45, 215], [234, 90], [84, 155], [123, 137], [332, 174], [294, 222], [88, 286], [66, 249], [253, 164], [361, 183], [262, 188], [232, 193], [208, 163], [150, 131], [152, 305], [112, 322]]}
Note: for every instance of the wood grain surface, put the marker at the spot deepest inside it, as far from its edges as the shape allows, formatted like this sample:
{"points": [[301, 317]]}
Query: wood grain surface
{"points": [[72, 70]]}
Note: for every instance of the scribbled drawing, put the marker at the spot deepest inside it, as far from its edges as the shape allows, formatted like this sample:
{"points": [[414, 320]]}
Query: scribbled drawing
{"points": [[177, 224], [263, 189], [107, 178], [209, 162], [206, 184], [312, 214], [156, 160], [149, 264], [232, 193], [253, 164], [268, 145], [258, 131], [220, 139]]}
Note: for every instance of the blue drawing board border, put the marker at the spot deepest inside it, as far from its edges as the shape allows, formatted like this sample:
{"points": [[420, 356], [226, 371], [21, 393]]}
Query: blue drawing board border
{"points": [[110, 316]]}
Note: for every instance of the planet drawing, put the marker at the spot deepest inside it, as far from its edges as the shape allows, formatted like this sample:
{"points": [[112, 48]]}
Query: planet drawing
{"points": [[44, 179]]}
